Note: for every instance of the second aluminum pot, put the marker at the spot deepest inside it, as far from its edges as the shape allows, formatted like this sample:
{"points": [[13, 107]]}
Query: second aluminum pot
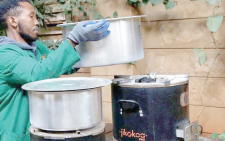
{"points": [[123, 45], [66, 104]]}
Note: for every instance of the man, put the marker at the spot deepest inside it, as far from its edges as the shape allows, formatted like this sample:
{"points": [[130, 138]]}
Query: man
{"points": [[23, 60]]}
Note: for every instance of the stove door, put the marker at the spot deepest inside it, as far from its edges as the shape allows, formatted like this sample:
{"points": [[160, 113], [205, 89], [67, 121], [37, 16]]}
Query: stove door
{"points": [[190, 131]]}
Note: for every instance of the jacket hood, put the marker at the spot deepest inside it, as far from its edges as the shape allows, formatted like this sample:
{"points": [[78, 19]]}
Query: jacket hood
{"points": [[6, 40]]}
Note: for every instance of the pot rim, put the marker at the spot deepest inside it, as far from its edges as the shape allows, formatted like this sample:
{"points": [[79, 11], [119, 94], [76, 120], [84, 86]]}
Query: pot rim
{"points": [[80, 83], [174, 80], [110, 19]]}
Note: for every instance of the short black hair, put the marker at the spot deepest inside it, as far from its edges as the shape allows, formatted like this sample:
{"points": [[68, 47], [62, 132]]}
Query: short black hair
{"points": [[9, 8]]}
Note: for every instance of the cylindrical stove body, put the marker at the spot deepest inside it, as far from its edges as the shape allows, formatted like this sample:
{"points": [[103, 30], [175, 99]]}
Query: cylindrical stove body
{"points": [[149, 111]]}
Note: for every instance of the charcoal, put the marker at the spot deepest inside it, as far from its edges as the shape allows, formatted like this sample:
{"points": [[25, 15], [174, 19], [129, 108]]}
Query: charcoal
{"points": [[147, 80]]}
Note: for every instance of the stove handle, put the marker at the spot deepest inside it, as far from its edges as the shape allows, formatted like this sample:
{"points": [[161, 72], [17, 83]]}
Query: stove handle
{"points": [[130, 106], [200, 130]]}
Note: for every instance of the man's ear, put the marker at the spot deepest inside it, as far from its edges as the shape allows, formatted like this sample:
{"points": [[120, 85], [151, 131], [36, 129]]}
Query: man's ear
{"points": [[13, 21]]}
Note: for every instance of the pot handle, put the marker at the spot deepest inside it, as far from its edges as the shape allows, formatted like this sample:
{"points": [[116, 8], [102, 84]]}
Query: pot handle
{"points": [[130, 106]]}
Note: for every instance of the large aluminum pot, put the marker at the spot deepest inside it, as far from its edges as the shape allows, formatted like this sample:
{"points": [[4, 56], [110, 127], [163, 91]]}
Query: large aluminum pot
{"points": [[65, 104], [123, 45]]}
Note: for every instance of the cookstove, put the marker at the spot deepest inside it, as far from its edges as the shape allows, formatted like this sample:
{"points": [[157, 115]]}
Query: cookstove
{"points": [[91, 134], [152, 108], [66, 109]]}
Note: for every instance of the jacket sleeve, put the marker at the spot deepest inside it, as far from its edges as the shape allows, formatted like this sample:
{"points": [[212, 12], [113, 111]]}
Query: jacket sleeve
{"points": [[17, 67]]}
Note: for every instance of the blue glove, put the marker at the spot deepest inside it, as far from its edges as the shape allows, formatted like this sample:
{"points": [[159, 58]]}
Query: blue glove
{"points": [[89, 31]]}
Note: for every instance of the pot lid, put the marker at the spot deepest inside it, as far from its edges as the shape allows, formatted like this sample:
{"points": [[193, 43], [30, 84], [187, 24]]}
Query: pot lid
{"points": [[109, 19], [151, 80], [66, 84]]}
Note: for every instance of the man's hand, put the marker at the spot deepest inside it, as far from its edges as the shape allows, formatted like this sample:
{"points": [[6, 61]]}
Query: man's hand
{"points": [[89, 31]]}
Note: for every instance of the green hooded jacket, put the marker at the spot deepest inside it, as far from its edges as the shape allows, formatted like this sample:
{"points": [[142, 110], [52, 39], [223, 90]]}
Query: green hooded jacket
{"points": [[20, 66]]}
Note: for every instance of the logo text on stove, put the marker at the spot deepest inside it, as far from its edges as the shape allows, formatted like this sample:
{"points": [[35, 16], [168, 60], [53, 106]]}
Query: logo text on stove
{"points": [[132, 134]]}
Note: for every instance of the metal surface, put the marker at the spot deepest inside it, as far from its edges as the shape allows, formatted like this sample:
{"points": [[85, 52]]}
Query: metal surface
{"points": [[189, 131], [184, 99], [123, 45], [192, 131], [161, 81], [98, 129], [66, 84], [159, 108], [65, 110]]}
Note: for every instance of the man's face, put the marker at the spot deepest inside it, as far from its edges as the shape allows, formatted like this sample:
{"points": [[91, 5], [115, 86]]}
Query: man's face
{"points": [[28, 23]]}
